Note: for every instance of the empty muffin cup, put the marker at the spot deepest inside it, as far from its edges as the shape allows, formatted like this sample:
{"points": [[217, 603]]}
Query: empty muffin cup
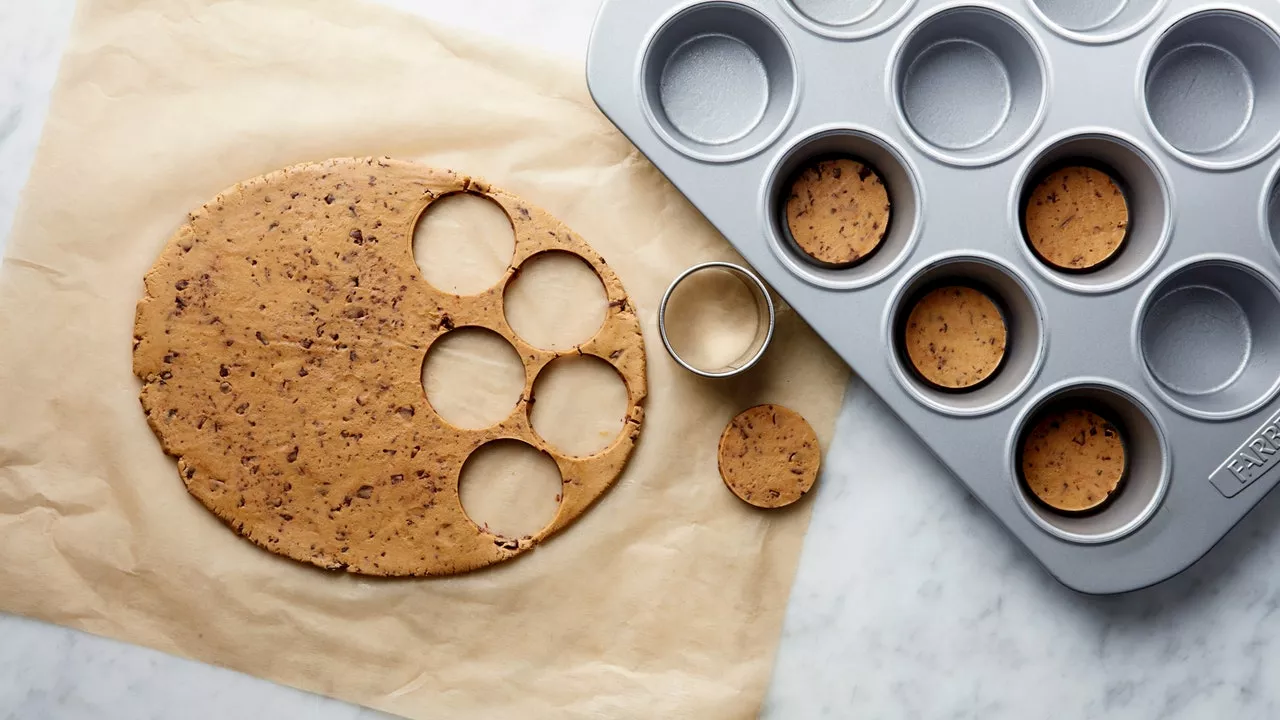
{"points": [[1271, 210], [838, 211], [718, 81], [1212, 89], [969, 84], [716, 319], [956, 337], [1073, 458], [1208, 339], [1076, 217]]}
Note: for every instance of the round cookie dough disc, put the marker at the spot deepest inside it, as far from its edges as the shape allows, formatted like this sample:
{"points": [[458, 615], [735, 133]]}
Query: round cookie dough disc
{"points": [[769, 456], [281, 342], [1077, 219], [1073, 460], [956, 337], [838, 211]]}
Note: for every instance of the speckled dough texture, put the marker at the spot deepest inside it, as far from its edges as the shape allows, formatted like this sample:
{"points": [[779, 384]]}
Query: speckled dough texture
{"points": [[955, 337], [769, 456], [281, 343], [838, 211], [1077, 218], [158, 106], [1073, 460]]}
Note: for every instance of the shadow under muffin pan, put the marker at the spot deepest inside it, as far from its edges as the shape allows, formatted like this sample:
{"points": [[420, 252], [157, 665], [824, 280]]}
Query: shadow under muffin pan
{"points": [[962, 106]]}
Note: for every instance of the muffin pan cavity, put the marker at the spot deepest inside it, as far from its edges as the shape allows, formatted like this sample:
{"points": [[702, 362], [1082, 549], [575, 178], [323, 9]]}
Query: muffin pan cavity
{"points": [[719, 81], [1146, 198], [1212, 89], [1271, 211], [994, 380], [969, 85], [1146, 461], [901, 187], [1209, 339]]}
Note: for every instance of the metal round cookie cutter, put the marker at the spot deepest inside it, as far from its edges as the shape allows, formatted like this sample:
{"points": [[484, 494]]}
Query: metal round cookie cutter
{"points": [[767, 319]]}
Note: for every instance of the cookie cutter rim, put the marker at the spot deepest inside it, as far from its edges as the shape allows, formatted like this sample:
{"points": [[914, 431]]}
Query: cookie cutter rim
{"points": [[764, 306]]}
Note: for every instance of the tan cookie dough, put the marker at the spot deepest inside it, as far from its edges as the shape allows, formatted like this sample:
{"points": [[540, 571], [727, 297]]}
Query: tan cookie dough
{"points": [[769, 456], [1073, 460], [1077, 218], [281, 343], [956, 337], [838, 211]]}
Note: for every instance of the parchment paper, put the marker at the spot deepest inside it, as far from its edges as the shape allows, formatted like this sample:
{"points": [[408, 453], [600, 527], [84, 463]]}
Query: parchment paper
{"points": [[665, 600]]}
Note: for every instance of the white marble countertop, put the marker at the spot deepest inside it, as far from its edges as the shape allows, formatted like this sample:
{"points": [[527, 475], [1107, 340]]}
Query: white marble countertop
{"points": [[911, 602]]}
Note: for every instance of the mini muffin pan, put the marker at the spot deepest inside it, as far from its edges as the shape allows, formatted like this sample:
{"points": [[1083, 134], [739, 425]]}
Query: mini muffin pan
{"points": [[959, 106]]}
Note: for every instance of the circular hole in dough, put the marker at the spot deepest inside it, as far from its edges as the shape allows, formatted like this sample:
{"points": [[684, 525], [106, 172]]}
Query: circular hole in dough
{"points": [[579, 405], [464, 243], [556, 301], [473, 378], [510, 489]]}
